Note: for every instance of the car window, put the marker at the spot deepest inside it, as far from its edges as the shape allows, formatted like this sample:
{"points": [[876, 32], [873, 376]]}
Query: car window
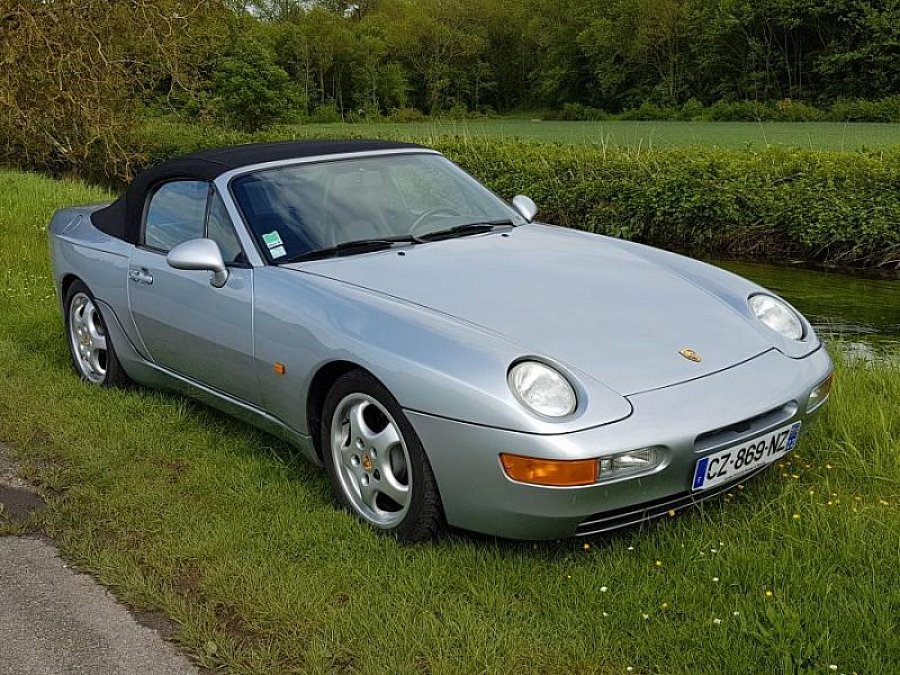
{"points": [[423, 187], [176, 213], [220, 229], [294, 210]]}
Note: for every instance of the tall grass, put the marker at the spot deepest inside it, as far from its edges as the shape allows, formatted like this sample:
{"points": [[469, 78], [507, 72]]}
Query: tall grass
{"points": [[180, 509]]}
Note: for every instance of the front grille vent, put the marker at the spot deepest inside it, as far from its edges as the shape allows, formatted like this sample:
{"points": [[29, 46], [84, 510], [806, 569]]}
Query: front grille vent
{"points": [[635, 515], [747, 428]]}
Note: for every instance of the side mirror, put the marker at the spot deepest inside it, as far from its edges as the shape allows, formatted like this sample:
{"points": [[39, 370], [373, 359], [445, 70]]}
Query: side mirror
{"points": [[525, 206], [200, 254]]}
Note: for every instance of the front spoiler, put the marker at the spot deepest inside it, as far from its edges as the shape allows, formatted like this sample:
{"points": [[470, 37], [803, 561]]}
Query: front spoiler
{"points": [[477, 495]]}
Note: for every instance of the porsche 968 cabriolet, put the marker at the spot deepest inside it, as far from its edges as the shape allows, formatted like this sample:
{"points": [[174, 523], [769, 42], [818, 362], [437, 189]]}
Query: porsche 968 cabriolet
{"points": [[448, 359]]}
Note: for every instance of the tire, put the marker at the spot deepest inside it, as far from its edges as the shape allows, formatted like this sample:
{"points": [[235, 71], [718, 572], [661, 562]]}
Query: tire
{"points": [[90, 345], [378, 468]]}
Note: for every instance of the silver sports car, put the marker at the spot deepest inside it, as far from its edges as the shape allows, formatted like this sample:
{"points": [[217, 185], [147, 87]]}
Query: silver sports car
{"points": [[449, 360]]}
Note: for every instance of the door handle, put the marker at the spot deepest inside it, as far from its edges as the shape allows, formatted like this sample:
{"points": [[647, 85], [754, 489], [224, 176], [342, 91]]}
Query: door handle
{"points": [[141, 276]]}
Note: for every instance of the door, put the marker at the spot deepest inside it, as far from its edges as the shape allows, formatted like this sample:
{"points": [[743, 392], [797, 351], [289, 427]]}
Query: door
{"points": [[189, 327]]}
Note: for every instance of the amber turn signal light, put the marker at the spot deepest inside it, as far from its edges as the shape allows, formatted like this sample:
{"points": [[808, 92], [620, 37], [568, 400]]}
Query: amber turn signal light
{"points": [[825, 387], [555, 472], [820, 393]]}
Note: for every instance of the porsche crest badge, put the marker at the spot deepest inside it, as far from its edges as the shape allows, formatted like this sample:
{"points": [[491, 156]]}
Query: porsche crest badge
{"points": [[691, 355]]}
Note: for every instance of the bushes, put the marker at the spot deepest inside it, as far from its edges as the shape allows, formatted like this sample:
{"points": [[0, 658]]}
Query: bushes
{"points": [[785, 110], [576, 112], [326, 114], [692, 110], [406, 115], [883, 110], [740, 111], [650, 111], [829, 207], [797, 111], [835, 208]]}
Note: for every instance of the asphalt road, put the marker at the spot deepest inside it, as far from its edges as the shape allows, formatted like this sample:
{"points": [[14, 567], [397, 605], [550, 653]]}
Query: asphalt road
{"points": [[56, 621]]}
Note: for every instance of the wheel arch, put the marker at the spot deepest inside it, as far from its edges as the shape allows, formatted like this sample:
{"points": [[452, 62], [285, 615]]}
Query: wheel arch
{"points": [[66, 284], [319, 386]]}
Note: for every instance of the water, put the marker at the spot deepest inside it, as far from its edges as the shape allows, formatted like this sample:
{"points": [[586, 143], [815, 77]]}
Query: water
{"points": [[858, 314]]}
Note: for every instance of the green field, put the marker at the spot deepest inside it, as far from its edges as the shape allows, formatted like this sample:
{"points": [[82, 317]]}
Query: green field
{"points": [[621, 134], [182, 510]]}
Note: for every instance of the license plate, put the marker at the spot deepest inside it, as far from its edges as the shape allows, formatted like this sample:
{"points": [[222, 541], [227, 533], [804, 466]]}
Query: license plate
{"points": [[728, 464]]}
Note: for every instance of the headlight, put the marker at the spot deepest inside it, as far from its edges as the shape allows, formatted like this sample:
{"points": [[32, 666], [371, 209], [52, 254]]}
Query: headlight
{"points": [[542, 389], [776, 315]]}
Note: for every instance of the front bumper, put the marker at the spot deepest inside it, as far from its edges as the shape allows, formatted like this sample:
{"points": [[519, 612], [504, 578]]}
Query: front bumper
{"points": [[691, 420]]}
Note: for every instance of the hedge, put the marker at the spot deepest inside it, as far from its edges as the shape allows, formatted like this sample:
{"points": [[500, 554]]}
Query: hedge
{"points": [[833, 208], [886, 110]]}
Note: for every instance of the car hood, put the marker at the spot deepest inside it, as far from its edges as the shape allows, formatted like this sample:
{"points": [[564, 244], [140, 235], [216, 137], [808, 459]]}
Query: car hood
{"points": [[587, 302]]}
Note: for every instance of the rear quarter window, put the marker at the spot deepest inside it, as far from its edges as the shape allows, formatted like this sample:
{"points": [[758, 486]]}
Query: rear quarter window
{"points": [[176, 213]]}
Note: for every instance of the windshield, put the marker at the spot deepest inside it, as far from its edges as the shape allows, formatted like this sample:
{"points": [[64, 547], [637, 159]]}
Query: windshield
{"points": [[301, 209]]}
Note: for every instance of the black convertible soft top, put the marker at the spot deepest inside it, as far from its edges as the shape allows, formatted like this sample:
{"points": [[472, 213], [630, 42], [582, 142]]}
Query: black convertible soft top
{"points": [[122, 218]]}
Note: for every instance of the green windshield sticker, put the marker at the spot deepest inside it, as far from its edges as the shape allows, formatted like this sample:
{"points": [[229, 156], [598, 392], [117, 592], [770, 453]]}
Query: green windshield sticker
{"points": [[272, 239]]}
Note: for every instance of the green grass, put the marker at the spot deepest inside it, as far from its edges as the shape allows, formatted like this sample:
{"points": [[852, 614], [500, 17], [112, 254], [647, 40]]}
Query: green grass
{"points": [[180, 509], [644, 135]]}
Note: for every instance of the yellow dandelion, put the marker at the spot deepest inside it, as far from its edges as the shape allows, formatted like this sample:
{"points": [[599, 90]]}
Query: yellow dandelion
{"points": [[665, 605], [796, 516], [671, 513], [587, 547], [828, 466], [659, 563], [884, 502], [769, 593]]}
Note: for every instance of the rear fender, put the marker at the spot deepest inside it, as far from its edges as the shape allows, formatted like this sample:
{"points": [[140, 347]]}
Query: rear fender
{"points": [[79, 250]]}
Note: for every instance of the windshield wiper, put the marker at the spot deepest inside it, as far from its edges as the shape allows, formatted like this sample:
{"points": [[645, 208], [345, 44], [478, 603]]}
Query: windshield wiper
{"points": [[466, 229], [353, 248], [382, 243]]}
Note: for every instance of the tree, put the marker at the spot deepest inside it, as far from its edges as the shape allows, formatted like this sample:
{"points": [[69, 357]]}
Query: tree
{"points": [[252, 90], [861, 57], [72, 69]]}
